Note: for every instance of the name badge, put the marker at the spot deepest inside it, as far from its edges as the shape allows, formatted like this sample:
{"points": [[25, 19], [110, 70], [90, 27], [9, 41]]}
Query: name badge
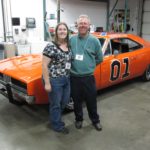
{"points": [[68, 65], [79, 57]]}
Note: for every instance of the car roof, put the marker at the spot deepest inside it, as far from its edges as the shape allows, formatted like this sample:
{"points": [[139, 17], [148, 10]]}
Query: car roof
{"points": [[111, 35]]}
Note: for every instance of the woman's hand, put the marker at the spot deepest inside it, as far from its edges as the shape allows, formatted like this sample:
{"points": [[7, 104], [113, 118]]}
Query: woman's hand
{"points": [[48, 87]]}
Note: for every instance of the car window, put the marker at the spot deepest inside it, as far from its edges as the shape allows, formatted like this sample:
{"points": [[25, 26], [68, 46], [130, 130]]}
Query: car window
{"points": [[115, 45], [108, 50], [131, 45], [102, 40], [124, 45]]}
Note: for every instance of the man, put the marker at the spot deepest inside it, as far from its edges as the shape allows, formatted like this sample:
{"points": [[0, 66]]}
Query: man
{"points": [[87, 54]]}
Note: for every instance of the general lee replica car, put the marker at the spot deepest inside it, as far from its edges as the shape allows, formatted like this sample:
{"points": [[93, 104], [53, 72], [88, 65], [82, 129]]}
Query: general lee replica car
{"points": [[125, 56]]}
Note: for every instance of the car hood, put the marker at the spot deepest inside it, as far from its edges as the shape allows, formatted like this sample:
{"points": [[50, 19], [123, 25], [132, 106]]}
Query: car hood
{"points": [[25, 68]]}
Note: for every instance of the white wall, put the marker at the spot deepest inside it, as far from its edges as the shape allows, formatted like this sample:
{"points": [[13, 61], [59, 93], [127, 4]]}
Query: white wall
{"points": [[73, 8], [51, 8], [95, 10], [1, 25], [33, 9], [146, 20]]}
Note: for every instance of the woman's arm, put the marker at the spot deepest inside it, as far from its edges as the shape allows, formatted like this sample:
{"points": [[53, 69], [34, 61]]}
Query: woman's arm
{"points": [[45, 63]]}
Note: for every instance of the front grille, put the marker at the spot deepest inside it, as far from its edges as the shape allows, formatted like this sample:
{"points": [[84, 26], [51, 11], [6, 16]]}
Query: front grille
{"points": [[1, 76], [6, 78], [18, 83]]}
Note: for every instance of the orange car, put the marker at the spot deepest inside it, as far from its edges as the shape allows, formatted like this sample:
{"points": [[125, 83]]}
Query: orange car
{"points": [[126, 56]]}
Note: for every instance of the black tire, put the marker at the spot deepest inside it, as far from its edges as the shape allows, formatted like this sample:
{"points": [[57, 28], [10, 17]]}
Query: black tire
{"points": [[146, 75]]}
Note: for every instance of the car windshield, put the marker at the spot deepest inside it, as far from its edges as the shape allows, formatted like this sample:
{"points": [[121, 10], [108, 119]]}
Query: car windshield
{"points": [[102, 40]]}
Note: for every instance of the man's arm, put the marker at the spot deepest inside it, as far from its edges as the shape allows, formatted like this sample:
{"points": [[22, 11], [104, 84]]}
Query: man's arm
{"points": [[99, 54]]}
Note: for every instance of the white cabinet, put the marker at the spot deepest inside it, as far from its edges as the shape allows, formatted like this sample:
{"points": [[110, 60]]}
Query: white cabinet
{"points": [[10, 50], [23, 49]]}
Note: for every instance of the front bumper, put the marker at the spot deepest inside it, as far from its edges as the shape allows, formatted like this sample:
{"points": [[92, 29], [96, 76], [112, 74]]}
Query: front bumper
{"points": [[15, 93]]}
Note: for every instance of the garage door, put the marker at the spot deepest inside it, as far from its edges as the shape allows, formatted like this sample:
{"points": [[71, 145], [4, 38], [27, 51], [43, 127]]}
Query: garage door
{"points": [[146, 20]]}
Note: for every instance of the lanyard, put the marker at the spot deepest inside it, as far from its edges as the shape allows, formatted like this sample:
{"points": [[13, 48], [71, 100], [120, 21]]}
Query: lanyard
{"points": [[83, 46]]}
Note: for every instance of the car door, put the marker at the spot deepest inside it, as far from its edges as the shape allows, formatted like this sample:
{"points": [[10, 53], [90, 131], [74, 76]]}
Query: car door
{"points": [[132, 58], [111, 70], [123, 59], [136, 56]]}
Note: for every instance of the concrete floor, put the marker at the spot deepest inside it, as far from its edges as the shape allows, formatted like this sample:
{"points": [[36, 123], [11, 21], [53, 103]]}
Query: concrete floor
{"points": [[125, 116]]}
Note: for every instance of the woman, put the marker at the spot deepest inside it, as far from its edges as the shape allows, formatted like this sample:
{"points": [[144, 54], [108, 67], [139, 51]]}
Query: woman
{"points": [[56, 65]]}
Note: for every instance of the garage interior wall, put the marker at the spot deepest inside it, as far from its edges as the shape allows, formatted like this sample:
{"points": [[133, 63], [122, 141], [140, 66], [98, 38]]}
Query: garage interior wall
{"points": [[71, 9], [1, 24], [51, 9], [31, 9], [133, 6], [146, 20], [24, 9]]}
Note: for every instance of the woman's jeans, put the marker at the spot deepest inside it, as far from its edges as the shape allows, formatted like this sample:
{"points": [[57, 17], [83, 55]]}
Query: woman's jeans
{"points": [[58, 99]]}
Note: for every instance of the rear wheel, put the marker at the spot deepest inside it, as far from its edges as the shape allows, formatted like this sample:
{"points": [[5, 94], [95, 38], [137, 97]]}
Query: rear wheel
{"points": [[146, 75]]}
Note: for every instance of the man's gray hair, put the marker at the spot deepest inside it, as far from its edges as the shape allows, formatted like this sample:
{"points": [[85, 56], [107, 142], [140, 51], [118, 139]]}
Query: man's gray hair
{"points": [[84, 16]]}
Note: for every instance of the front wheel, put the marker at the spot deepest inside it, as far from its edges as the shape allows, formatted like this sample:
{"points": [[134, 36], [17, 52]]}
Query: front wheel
{"points": [[146, 75]]}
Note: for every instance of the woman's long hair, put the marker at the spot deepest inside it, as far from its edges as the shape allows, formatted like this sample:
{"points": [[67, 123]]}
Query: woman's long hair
{"points": [[56, 35]]}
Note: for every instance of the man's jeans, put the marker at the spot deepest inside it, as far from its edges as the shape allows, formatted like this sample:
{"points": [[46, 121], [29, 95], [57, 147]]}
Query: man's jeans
{"points": [[58, 98]]}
